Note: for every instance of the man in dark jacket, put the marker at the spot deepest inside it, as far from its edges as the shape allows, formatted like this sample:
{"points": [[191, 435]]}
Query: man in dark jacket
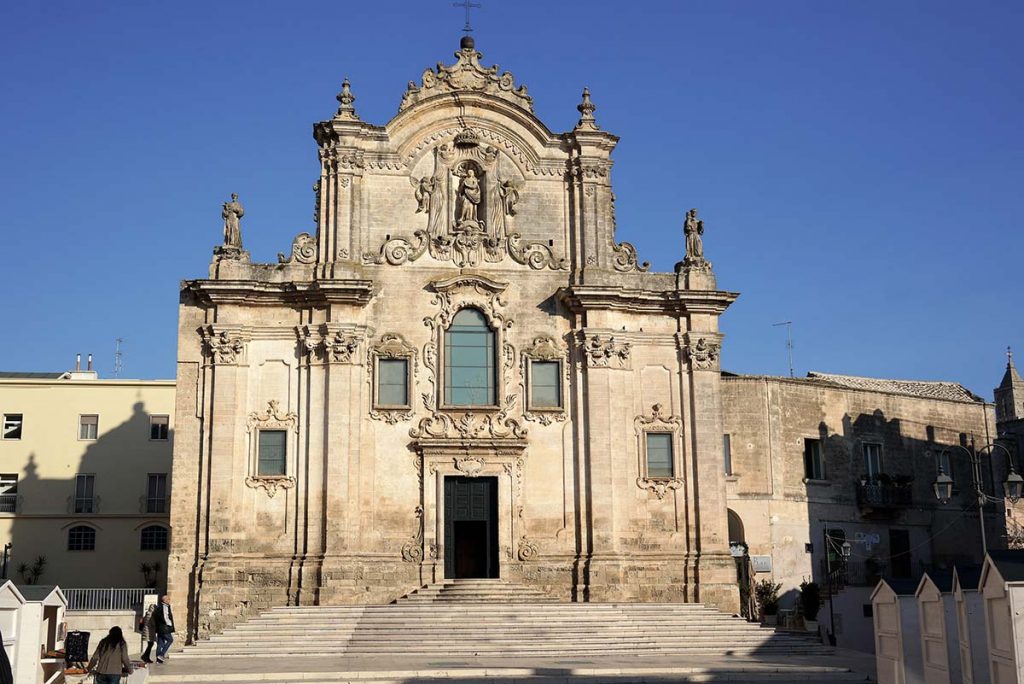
{"points": [[163, 621]]}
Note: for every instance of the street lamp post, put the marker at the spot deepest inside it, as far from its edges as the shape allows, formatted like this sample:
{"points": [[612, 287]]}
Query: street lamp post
{"points": [[943, 485], [844, 549]]}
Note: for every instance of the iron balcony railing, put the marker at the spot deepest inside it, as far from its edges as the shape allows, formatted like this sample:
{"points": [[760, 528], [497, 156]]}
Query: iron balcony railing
{"points": [[885, 495], [8, 503]]}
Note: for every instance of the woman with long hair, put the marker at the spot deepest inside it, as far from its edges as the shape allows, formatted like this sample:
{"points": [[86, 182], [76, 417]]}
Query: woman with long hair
{"points": [[110, 660]]}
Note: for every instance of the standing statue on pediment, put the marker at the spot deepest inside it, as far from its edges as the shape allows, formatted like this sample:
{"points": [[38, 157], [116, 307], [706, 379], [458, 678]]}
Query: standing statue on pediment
{"points": [[693, 229], [232, 213]]}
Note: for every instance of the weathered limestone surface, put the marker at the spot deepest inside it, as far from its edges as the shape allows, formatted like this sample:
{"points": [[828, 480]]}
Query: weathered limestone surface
{"points": [[397, 251]]}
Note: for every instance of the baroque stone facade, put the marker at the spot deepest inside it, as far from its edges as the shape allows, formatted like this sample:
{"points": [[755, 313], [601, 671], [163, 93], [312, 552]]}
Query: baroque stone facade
{"points": [[464, 200]]}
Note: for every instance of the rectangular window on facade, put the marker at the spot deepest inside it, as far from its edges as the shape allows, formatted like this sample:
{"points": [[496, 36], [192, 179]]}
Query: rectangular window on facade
{"points": [[159, 427], [393, 382], [8, 492], [88, 426], [81, 538], [659, 454], [727, 453], [84, 499], [271, 453], [154, 538], [156, 493], [873, 459], [814, 467], [12, 426], [545, 385]]}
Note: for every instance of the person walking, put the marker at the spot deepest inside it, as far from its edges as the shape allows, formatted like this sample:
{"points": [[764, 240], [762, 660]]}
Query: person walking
{"points": [[163, 623], [148, 631], [110, 660]]}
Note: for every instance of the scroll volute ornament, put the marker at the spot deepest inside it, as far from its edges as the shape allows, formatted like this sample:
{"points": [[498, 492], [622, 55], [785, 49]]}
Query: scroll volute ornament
{"points": [[657, 421], [223, 346]]}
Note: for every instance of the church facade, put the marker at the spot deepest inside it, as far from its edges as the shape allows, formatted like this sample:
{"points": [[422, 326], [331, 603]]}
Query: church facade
{"points": [[462, 373]]}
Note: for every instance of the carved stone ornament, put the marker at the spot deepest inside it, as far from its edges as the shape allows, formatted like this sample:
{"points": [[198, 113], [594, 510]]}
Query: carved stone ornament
{"points": [[412, 550], [657, 421], [341, 347], [659, 487], [224, 347], [468, 209], [391, 346], [450, 296], [527, 549], [467, 75], [273, 418], [605, 352], [270, 484], [703, 355], [626, 259], [543, 349], [470, 466], [303, 250]]}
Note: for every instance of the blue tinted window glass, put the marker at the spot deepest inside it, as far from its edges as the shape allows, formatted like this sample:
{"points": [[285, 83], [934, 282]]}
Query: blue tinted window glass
{"points": [[469, 361]]}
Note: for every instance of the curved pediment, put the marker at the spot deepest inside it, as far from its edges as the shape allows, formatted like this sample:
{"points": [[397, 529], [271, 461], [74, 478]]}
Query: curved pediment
{"points": [[481, 283], [466, 75]]}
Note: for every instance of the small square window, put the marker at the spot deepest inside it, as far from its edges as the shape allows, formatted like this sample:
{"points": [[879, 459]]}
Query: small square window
{"points": [[814, 468], [659, 454], [393, 382], [88, 426], [159, 427], [545, 385], [272, 452], [81, 538], [12, 426]]}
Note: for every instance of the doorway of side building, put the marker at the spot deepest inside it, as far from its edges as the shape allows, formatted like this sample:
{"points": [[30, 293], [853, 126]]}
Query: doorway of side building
{"points": [[470, 527]]}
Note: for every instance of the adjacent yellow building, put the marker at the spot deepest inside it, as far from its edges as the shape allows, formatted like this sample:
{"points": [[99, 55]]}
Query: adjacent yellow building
{"points": [[85, 468]]}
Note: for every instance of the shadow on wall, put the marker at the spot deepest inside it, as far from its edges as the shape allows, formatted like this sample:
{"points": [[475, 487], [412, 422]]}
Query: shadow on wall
{"points": [[96, 526], [880, 500]]}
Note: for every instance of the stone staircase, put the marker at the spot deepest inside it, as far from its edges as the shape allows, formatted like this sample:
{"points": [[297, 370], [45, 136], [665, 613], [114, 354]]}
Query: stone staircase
{"points": [[470, 621]]}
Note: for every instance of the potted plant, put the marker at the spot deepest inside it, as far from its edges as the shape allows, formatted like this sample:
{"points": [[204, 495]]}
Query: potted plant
{"points": [[767, 594], [810, 601]]}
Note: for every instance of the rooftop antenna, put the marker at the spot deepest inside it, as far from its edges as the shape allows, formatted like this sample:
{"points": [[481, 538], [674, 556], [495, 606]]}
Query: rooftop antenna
{"points": [[468, 28], [789, 342], [118, 363]]}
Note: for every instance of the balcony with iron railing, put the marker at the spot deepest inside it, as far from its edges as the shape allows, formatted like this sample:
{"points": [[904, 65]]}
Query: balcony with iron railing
{"points": [[884, 493], [8, 503], [83, 504]]}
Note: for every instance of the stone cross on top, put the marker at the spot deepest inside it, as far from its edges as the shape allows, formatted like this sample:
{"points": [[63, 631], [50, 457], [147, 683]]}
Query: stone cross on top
{"points": [[468, 5]]}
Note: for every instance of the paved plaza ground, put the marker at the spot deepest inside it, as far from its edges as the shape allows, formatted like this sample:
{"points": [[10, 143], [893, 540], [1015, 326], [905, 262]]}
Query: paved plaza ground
{"points": [[843, 666]]}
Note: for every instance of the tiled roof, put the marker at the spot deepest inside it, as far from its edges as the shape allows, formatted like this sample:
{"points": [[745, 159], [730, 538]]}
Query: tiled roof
{"points": [[926, 389]]}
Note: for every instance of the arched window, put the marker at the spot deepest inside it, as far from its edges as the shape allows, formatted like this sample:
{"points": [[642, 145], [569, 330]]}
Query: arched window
{"points": [[81, 538], [469, 361], [154, 538]]}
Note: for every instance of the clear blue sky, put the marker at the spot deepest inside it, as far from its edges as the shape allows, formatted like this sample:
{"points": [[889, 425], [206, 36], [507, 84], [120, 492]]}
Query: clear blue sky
{"points": [[858, 163]]}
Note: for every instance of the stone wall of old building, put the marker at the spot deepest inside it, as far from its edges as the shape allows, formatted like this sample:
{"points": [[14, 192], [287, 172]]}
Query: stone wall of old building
{"points": [[785, 514], [463, 200]]}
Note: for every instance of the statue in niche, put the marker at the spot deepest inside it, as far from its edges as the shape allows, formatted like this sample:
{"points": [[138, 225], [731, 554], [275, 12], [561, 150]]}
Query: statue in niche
{"points": [[469, 199], [423, 191], [693, 229], [232, 213]]}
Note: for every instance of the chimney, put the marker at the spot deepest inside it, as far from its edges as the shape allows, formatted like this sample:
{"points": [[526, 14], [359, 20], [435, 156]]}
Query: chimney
{"points": [[89, 367], [78, 362]]}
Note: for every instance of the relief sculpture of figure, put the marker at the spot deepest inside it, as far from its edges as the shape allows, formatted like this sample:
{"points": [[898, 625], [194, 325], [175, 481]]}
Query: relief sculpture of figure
{"points": [[469, 193], [693, 228], [424, 189], [232, 213], [509, 193]]}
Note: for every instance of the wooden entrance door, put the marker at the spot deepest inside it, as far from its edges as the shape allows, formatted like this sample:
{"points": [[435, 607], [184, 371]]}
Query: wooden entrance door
{"points": [[470, 527]]}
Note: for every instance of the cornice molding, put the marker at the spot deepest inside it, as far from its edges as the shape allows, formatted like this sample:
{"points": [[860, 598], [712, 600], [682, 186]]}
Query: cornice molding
{"points": [[346, 291], [580, 298]]}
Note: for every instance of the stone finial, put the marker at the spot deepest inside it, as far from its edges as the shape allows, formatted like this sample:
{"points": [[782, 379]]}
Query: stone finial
{"points": [[346, 98], [586, 109]]}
